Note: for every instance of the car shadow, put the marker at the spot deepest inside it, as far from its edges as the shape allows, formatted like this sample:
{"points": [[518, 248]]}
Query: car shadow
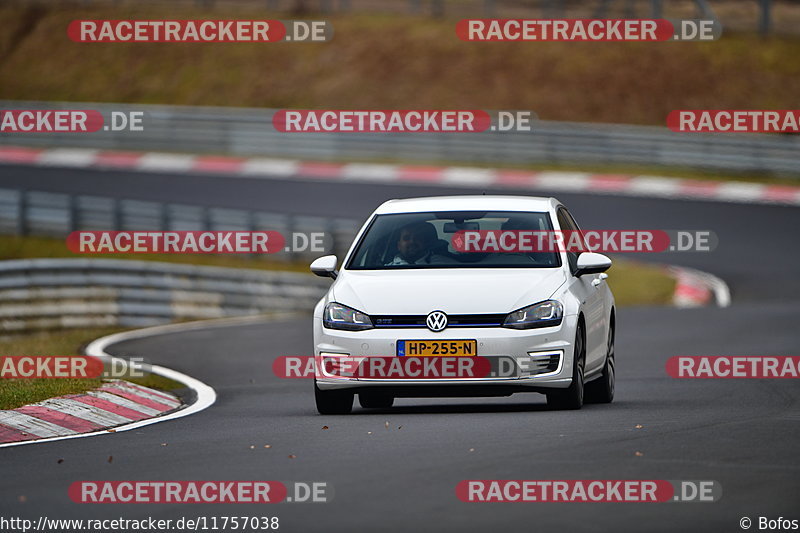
{"points": [[458, 408]]}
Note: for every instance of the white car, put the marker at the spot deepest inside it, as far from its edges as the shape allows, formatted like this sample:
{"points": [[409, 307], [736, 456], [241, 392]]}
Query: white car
{"points": [[405, 288]]}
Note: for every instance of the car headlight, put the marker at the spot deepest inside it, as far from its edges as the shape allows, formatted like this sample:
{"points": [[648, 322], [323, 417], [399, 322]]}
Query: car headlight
{"points": [[541, 315], [338, 316]]}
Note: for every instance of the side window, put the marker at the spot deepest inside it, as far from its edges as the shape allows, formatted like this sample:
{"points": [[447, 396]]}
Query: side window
{"points": [[567, 223]]}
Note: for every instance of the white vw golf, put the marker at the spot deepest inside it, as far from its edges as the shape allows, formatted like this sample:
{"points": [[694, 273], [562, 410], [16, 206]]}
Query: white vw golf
{"points": [[539, 320]]}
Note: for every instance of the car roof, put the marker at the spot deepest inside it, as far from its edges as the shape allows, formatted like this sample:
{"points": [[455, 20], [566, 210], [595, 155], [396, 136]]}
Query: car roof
{"points": [[468, 203]]}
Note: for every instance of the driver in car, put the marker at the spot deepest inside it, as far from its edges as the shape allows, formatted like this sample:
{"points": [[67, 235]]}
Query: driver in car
{"points": [[415, 245]]}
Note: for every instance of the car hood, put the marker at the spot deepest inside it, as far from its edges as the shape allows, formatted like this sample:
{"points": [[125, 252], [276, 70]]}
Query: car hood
{"points": [[467, 291]]}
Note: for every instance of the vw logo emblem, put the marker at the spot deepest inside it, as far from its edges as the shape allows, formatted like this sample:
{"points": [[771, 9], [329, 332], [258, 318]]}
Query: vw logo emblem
{"points": [[436, 321]]}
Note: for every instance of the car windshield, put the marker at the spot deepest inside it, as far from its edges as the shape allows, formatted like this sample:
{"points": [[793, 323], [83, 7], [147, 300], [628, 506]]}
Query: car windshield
{"points": [[431, 240]]}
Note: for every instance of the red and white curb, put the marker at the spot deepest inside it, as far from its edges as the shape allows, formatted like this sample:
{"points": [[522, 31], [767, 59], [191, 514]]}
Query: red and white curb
{"points": [[116, 403], [694, 288], [205, 396], [558, 181]]}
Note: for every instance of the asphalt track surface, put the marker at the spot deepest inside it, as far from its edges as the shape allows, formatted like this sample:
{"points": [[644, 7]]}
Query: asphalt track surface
{"points": [[741, 433]]}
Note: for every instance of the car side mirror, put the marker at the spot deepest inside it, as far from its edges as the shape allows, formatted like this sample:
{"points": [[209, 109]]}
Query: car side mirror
{"points": [[592, 263], [325, 266]]}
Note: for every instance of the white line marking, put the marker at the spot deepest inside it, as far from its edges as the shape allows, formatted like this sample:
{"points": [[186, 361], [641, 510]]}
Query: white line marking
{"points": [[206, 396]]}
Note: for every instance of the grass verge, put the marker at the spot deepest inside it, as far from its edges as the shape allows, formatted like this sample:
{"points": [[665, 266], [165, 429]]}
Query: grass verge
{"points": [[635, 283], [18, 392], [29, 247]]}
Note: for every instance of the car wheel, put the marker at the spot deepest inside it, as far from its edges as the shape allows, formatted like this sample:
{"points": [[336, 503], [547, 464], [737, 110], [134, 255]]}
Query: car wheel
{"points": [[572, 396], [602, 390], [333, 402], [375, 400]]}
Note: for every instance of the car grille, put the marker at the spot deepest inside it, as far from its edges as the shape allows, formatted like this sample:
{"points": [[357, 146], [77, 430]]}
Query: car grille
{"points": [[453, 321]]}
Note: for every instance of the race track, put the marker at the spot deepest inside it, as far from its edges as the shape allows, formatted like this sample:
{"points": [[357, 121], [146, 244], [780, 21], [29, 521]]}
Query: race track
{"points": [[741, 433]]}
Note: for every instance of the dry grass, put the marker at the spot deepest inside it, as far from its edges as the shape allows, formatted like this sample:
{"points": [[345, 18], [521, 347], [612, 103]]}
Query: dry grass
{"points": [[380, 61]]}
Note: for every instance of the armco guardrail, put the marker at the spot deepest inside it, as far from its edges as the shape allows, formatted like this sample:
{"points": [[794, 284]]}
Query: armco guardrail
{"points": [[243, 131], [40, 294], [58, 214]]}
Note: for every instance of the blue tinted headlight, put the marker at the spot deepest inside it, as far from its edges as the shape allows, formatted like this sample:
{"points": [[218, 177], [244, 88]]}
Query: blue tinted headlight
{"points": [[541, 315], [338, 316]]}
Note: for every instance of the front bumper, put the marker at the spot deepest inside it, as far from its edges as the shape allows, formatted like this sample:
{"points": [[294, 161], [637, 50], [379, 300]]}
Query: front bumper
{"points": [[493, 343]]}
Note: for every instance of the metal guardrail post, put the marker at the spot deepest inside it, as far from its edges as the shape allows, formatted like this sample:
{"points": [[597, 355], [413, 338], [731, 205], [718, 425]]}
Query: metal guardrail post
{"points": [[437, 8], [704, 9], [630, 9], [116, 215], [765, 17], [74, 215], [658, 8], [602, 9], [23, 213]]}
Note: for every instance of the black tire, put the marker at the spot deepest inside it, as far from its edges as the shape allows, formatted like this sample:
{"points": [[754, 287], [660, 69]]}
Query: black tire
{"points": [[602, 389], [375, 400], [572, 397], [333, 402]]}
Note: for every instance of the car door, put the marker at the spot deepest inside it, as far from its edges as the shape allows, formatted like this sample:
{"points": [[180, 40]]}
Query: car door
{"points": [[587, 289]]}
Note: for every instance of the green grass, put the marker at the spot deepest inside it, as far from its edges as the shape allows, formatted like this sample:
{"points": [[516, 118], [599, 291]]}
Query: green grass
{"points": [[639, 284], [16, 247], [19, 392]]}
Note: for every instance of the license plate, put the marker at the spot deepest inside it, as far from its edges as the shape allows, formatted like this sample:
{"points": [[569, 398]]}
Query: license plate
{"points": [[457, 348]]}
